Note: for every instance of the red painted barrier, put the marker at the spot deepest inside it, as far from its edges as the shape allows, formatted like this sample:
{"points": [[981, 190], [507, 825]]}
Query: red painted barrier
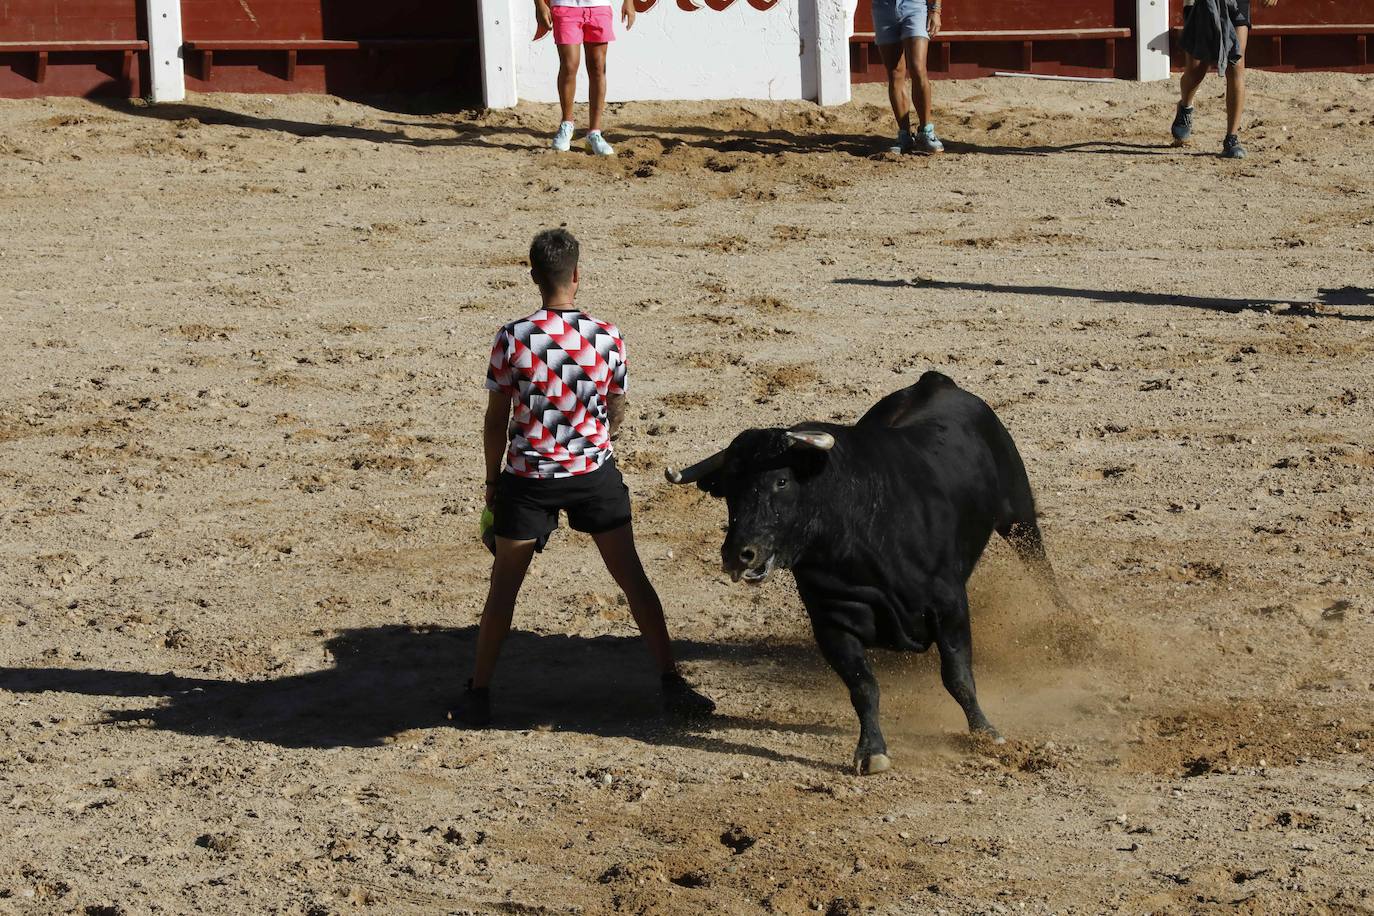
{"points": [[405, 45], [38, 54], [1333, 35], [1098, 46], [388, 46], [1302, 35]]}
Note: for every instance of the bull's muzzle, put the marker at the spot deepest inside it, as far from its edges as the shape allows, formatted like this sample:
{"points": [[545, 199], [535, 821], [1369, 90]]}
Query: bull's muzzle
{"points": [[749, 563]]}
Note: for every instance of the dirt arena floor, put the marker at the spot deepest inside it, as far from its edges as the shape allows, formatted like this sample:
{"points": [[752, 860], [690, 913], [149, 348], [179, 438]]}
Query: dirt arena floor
{"points": [[240, 395]]}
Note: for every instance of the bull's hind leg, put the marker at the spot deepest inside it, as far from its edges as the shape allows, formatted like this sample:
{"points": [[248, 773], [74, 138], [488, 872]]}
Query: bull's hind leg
{"points": [[955, 642], [1029, 544], [846, 655]]}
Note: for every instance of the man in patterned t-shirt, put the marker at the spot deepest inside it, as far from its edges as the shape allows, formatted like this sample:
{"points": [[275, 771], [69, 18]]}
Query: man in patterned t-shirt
{"points": [[556, 386]]}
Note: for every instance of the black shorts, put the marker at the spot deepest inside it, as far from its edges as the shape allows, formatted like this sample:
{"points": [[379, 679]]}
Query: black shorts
{"points": [[1240, 16], [526, 508]]}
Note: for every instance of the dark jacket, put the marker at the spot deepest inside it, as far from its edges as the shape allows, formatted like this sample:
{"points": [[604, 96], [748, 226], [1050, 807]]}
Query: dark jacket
{"points": [[1209, 33]]}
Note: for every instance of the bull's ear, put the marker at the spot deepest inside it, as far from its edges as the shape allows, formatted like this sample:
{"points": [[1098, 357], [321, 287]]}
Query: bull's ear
{"points": [[811, 439]]}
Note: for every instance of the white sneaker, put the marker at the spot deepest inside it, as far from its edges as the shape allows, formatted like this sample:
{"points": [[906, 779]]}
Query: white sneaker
{"points": [[597, 144], [562, 141]]}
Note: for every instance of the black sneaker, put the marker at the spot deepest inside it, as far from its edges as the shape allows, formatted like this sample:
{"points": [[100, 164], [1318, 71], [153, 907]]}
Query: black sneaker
{"points": [[681, 700], [1231, 148], [1183, 124], [473, 708]]}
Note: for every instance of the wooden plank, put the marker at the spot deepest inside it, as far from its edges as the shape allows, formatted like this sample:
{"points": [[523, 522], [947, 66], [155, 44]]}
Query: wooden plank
{"points": [[7, 47], [277, 44], [1023, 14], [1269, 30], [291, 65], [1352, 29], [41, 70], [1022, 35], [1027, 55], [322, 44]]}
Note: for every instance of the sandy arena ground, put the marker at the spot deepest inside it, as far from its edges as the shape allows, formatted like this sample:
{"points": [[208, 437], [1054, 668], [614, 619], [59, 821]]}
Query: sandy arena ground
{"points": [[239, 469]]}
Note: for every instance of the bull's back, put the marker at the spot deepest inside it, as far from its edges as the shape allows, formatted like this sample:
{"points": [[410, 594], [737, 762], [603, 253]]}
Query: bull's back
{"points": [[961, 448]]}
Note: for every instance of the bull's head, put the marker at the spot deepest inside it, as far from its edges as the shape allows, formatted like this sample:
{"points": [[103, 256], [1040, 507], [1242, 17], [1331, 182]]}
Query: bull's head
{"points": [[763, 477]]}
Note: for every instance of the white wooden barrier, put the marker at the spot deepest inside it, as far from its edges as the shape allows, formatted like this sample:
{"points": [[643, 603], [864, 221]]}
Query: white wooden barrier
{"points": [[164, 51]]}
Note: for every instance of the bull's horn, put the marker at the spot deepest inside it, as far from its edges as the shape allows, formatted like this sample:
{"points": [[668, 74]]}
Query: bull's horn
{"points": [[822, 441], [696, 471]]}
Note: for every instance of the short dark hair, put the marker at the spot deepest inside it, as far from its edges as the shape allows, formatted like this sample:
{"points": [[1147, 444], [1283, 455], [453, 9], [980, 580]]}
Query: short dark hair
{"points": [[553, 258]]}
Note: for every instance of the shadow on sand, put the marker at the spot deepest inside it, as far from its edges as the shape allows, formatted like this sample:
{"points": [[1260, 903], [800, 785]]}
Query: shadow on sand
{"points": [[387, 680], [1318, 308]]}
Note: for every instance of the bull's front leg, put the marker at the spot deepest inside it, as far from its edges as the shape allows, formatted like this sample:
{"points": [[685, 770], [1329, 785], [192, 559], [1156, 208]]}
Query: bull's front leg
{"points": [[846, 655]]}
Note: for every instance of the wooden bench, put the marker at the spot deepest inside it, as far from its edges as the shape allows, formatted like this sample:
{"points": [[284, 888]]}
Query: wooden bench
{"points": [[293, 46], [1026, 37], [1276, 34], [41, 50]]}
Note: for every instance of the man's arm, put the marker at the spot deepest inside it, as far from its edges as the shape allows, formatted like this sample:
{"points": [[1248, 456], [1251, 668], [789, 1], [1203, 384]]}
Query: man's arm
{"points": [[615, 412], [495, 429]]}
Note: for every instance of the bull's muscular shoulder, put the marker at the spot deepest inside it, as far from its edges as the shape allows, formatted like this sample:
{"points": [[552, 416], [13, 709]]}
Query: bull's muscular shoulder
{"points": [[904, 406]]}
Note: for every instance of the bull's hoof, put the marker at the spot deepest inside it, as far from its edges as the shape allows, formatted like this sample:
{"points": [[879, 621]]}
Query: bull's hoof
{"points": [[989, 733], [873, 763]]}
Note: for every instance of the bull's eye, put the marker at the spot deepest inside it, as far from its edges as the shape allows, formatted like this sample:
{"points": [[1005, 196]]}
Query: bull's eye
{"points": [[780, 484]]}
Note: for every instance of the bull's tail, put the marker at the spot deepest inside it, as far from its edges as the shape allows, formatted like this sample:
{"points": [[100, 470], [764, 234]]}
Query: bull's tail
{"points": [[1025, 538]]}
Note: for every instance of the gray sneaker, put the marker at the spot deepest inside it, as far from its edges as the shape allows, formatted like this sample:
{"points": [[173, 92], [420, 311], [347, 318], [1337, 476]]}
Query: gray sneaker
{"points": [[1231, 148], [562, 141], [925, 141], [902, 143], [1182, 127], [597, 145]]}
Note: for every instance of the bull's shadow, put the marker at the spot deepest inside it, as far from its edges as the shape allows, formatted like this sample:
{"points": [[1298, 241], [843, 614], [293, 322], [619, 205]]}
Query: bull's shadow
{"points": [[387, 680]]}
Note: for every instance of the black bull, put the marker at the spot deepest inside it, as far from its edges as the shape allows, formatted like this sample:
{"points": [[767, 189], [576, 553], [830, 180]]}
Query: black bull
{"points": [[881, 524]]}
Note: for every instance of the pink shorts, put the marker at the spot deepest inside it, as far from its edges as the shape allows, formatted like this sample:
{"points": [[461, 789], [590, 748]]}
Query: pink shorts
{"points": [[572, 25]]}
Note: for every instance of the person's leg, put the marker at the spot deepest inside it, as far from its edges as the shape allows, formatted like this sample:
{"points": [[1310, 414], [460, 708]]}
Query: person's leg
{"points": [[915, 51], [618, 552], [507, 574], [569, 57], [1194, 72], [1235, 84], [897, 94], [596, 83]]}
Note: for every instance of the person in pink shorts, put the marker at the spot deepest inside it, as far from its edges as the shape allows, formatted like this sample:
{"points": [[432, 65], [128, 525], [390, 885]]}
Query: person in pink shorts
{"points": [[575, 23]]}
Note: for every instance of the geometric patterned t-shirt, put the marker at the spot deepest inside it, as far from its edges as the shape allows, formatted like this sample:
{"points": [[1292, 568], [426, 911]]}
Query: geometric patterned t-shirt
{"points": [[558, 367]]}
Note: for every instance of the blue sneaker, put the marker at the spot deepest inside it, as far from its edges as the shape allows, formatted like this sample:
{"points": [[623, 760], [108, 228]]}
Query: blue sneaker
{"points": [[562, 141], [902, 143], [1231, 148], [597, 144], [926, 142]]}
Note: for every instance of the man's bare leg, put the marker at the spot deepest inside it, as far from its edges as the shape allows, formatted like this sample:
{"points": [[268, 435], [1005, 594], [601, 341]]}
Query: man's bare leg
{"points": [[897, 95], [1194, 72], [1235, 84], [507, 575], [569, 57], [915, 52], [596, 83], [622, 561]]}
